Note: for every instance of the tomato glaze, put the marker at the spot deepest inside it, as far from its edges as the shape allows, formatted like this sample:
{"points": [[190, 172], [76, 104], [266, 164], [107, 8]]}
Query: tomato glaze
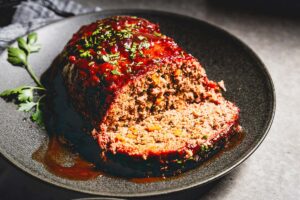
{"points": [[113, 51]]}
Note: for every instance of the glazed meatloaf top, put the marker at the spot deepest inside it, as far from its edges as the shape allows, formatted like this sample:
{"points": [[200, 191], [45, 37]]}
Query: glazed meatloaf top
{"points": [[144, 95], [113, 51]]}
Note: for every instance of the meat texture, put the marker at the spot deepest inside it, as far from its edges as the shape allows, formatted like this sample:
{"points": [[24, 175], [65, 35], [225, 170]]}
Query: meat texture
{"points": [[151, 104]]}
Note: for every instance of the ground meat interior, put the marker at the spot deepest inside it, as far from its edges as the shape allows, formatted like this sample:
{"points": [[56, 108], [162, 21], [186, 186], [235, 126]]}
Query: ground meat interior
{"points": [[167, 109], [173, 129], [164, 89]]}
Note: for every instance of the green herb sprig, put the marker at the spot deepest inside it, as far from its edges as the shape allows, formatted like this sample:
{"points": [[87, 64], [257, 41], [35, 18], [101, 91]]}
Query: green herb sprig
{"points": [[28, 98]]}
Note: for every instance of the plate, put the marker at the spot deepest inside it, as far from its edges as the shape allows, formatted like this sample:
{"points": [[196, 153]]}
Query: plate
{"points": [[223, 56]]}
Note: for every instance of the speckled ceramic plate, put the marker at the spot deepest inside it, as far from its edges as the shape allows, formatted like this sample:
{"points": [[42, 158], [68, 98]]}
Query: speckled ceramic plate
{"points": [[224, 57]]}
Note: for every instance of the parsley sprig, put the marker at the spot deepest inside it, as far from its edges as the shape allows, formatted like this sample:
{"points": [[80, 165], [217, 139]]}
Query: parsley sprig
{"points": [[28, 98]]}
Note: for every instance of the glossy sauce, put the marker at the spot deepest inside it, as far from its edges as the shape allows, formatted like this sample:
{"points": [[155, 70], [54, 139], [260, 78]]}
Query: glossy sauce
{"points": [[52, 155], [56, 154], [148, 179]]}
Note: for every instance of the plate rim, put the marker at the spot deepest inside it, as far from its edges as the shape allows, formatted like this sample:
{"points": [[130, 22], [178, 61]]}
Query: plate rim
{"points": [[240, 42]]}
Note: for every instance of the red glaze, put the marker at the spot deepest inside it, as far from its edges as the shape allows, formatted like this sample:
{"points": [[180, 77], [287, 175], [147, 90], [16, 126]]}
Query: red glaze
{"points": [[137, 44]]}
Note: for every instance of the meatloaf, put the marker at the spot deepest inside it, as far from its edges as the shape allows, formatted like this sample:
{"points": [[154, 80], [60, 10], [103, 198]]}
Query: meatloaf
{"points": [[153, 109]]}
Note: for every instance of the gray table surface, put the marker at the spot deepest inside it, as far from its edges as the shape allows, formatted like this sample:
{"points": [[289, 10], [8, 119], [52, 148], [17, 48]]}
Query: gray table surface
{"points": [[273, 171]]}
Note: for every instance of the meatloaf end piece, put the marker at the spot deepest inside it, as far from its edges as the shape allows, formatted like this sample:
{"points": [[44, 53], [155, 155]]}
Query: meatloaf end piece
{"points": [[151, 103]]}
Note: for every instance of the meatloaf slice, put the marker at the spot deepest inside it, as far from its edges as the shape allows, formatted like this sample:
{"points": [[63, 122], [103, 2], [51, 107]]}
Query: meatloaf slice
{"points": [[151, 104]]}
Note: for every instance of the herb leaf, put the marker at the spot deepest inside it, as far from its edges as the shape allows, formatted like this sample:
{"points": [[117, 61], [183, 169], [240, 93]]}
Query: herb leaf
{"points": [[27, 106], [23, 45], [14, 91], [37, 116], [17, 56], [31, 42], [86, 54], [157, 34], [29, 46], [105, 58], [31, 38], [34, 47], [25, 95], [116, 72]]}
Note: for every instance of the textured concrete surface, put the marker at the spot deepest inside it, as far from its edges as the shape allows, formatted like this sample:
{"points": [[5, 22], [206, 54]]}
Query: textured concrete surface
{"points": [[273, 171]]}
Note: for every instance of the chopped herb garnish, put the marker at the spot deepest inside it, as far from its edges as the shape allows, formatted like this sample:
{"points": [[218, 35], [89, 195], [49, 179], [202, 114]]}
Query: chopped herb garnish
{"points": [[86, 54], [105, 58], [139, 63], [87, 43], [111, 58], [91, 63], [127, 46], [156, 60], [113, 62], [204, 137], [182, 53], [116, 72], [141, 53], [140, 37], [157, 34], [179, 162], [129, 70], [204, 147], [114, 56], [125, 33], [145, 44], [96, 32], [112, 43], [133, 50], [191, 158]]}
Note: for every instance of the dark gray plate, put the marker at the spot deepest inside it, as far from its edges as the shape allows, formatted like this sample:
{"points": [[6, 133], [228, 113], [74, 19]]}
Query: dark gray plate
{"points": [[223, 56]]}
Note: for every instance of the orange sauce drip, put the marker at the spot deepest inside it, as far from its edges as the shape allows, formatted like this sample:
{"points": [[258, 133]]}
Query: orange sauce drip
{"points": [[148, 179], [51, 157]]}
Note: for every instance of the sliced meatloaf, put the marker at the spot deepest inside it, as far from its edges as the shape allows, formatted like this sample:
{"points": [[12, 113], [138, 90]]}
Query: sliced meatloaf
{"points": [[151, 104]]}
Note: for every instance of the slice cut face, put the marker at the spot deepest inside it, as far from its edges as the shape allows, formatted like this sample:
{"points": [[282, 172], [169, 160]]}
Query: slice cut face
{"points": [[151, 104], [179, 131]]}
